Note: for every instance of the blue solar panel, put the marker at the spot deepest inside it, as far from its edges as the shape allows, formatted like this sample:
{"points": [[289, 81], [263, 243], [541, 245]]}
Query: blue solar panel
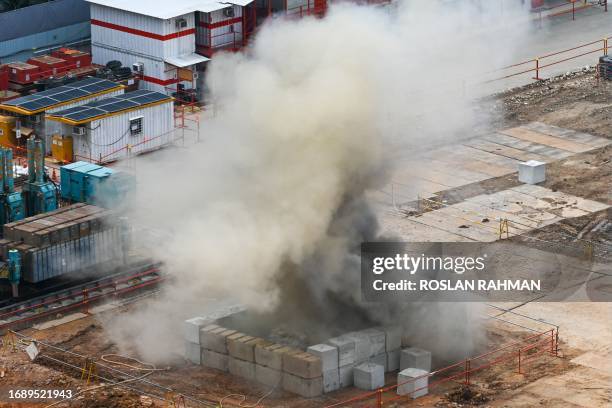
{"points": [[111, 105], [49, 98]]}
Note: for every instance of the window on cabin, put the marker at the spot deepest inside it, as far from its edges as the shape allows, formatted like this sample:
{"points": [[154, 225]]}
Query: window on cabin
{"points": [[135, 126]]}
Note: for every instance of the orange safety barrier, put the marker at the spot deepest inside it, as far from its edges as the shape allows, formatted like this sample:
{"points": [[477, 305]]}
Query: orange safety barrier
{"points": [[462, 372], [602, 46]]}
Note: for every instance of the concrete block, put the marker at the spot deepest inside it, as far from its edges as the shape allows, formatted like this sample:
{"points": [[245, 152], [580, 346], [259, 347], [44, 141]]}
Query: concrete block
{"points": [[532, 172], [362, 346], [345, 374], [270, 355], [331, 380], [346, 349], [393, 338], [268, 376], [240, 368], [393, 360], [308, 388], [302, 364], [243, 348], [377, 341], [414, 357], [328, 355], [191, 329], [412, 381], [192, 352], [380, 359], [215, 360], [369, 376], [214, 338]]}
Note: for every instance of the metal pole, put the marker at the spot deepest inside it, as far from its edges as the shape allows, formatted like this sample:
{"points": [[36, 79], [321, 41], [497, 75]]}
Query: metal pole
{"points": [[519, 361], [379, 401], [573, 10], [537, 61]]}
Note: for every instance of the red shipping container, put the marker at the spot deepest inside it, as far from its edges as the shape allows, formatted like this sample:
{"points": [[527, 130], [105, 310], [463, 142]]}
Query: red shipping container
{"points": [[49, 66], [75, 58], [23, 73], [4, 77]]}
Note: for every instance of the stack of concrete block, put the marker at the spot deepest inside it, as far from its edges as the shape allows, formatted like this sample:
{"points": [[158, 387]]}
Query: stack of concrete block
{"points": [[269, 363], [329, 365], [214, 348], [302, 373], [241, 349], [191, 336], [376, 345]]}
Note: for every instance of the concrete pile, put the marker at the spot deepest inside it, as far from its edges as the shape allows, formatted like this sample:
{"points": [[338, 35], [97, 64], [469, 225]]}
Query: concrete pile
{"points": [[358, 358]]}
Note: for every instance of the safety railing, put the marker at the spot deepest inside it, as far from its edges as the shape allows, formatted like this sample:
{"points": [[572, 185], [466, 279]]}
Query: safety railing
{"points": [[518, 353], [536, 65], [311, 8], [231, 41]]}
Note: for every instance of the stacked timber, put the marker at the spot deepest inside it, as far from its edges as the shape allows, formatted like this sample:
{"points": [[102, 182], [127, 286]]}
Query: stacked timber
{"points": [[64, 241]]}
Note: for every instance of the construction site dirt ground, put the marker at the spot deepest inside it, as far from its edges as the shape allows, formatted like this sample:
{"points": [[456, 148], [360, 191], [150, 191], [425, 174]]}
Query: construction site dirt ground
{"points": [[580, 376]]}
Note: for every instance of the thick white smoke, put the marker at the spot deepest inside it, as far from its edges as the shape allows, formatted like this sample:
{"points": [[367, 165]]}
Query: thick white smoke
{"points": [[308, 120]]}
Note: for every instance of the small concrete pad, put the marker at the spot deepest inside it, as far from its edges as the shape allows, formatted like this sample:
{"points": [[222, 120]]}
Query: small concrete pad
{"points": [[302, 364], [243, 348], [414, 357], [240, 368], [268, 376], [308, 388], [345, 375], [328, 355], [393, 360], [331, 380], [192, 352], [369, 376], [270, 355], [346, 349], [413, 382], [215, 360], [191, 329], [214, 338]]}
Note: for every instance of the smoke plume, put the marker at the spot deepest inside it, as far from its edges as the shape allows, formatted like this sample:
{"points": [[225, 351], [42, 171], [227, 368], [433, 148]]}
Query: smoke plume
{"points": [[270, 208]]}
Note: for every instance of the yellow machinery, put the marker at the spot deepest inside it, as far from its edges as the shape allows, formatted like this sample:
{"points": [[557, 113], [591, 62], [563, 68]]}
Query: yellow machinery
{"points": [[61, 148], [8, 137]]}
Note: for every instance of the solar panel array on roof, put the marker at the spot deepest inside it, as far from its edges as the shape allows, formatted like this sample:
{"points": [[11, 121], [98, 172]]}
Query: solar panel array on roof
{"points": [[111, 105], [43, 100]]}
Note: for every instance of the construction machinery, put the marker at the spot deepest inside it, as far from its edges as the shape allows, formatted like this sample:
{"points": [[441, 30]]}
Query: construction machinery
{"points": [[39, 193], [11, 202]]}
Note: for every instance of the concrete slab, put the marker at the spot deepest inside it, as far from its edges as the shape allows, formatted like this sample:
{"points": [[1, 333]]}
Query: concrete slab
{"points": [[328, 355], [56, 322], [413, 382], [243, 348], [307, 388], [541, 138], [369, 376], [302, 364], [214, 338], [215, 360], [346, 349], [409, 229], [240, 368], [415, 357], [580, 137], [271, 355], [502, 150], [192, 352], [268, 376], [331, 380], [551, 153]]}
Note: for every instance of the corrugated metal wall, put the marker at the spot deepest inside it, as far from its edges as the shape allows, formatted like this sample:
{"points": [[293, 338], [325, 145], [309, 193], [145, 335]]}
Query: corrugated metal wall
{"points": [[107, 138], [220, 36], [51, 127]]}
